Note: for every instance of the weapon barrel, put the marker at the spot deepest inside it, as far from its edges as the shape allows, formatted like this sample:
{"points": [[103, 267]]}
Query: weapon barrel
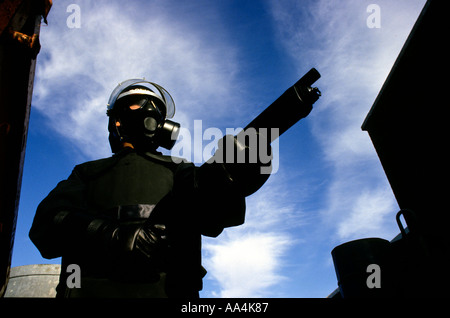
{"points": [[294, 104]]}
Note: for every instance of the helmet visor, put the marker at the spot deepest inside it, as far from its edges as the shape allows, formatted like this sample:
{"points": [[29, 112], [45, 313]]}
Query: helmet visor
{"points": [[157, 90]]}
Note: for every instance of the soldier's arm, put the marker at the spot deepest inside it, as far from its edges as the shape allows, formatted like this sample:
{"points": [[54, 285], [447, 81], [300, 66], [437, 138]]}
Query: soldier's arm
{"points": [[216, 190], [49, 231]]}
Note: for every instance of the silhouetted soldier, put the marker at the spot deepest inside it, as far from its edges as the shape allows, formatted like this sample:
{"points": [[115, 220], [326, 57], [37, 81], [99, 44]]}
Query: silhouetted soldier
{"points": [[133, 222]]}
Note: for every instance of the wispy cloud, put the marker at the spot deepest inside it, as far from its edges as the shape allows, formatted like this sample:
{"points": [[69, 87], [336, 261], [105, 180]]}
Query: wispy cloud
{"points": [[79, 67], [249, 261], [366, 215], [354, 61]]}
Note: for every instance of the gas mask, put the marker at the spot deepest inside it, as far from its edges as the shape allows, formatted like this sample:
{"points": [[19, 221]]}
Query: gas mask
{"points": [[138, 116]]}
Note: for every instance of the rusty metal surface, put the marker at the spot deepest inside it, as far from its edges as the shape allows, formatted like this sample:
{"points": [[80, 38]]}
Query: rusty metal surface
{"points": [[19, 46]]}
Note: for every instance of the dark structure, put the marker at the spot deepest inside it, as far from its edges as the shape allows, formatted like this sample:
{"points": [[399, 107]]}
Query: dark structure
{"points": [[20, 22], [406, 125]]}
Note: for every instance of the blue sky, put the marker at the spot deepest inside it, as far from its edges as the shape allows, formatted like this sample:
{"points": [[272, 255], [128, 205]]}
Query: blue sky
{"points": [[224, 62]]}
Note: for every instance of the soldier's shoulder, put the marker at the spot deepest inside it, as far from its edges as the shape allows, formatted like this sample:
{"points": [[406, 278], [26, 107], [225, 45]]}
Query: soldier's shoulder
{"points": [[95, 164], [93, 168], [171, 161]]}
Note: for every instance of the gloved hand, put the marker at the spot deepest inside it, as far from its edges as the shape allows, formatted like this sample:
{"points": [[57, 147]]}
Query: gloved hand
{"points": [[137, 249], [247, 162]]}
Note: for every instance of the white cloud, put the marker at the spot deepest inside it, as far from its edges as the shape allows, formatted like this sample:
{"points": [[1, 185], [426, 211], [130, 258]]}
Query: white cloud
{"points": [[247, 266], [366, 215], [249, 261]]}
